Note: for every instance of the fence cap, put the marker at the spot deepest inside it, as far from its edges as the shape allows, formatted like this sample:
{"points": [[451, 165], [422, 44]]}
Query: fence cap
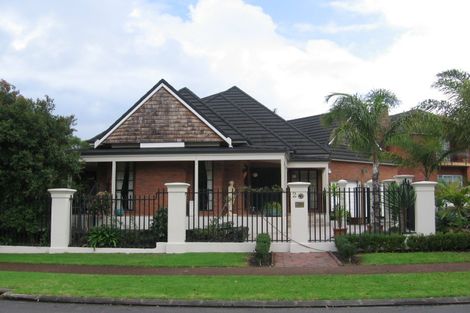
{"points": [[298, 184], [61, 192], [177, 185], [424, 184]]}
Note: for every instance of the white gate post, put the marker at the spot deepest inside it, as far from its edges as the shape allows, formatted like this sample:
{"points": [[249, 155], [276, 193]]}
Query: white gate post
{"points": [[60, 217], [425, 207], [299, 216], [177, 193]]}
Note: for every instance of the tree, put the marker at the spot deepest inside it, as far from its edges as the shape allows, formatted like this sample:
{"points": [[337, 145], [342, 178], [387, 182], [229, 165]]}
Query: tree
{"points": [[363, 124], [455, 85], [36, 153], [421, 140]]}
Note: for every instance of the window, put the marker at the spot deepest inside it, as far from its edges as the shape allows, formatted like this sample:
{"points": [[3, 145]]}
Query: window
{"points": [[206, 185], [308, 175], [451, 179], [124, 185]]}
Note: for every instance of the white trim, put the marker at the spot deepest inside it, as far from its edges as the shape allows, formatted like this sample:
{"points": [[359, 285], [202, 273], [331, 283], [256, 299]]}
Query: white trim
{"points": [[162, 145], [228, 140], [184, 157], [307, 165], [362, 162], [113, 178], [185, 247]]}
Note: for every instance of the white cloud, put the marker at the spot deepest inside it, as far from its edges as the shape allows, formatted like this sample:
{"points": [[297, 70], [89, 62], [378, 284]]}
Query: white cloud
{"points": [[333, 28], [97, 58]]}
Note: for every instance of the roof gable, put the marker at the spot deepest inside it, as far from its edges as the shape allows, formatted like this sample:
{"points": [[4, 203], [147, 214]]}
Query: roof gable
{"points": [[161, 115]]}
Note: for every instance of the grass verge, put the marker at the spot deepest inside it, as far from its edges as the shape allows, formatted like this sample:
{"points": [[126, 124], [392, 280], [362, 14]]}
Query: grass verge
{"points": [[414, 258], [145, 260], [383, 286]]}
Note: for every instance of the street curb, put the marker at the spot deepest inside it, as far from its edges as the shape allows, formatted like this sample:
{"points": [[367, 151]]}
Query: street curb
{"points": [[238, 304]]}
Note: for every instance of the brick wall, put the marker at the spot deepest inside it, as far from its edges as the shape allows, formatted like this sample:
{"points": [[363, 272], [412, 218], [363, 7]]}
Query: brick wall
{"points": [[152, 176], [360, 172], [103, 177]]}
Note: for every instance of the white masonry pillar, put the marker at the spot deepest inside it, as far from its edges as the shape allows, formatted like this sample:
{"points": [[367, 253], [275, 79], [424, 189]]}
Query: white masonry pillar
{"points": [[60, 217], [299, 216], [401, 178], [425, 207], [177, 193]]}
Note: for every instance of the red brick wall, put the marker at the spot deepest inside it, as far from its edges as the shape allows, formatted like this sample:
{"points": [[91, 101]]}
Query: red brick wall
{"points": [[361, 172], [152, 176], [103, 177]]}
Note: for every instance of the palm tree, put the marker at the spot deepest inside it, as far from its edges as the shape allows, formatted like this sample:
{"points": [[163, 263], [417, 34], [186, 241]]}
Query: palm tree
{"points": [[363, 124], [422, 141]]}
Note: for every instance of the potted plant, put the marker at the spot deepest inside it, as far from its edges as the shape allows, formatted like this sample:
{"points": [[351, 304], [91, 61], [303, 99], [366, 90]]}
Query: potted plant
{"points": [[273, 208], [340, 216]]}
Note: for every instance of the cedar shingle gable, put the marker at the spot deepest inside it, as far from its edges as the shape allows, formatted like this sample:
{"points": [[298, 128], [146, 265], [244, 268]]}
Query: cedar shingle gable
{"points": [[162, 118]]}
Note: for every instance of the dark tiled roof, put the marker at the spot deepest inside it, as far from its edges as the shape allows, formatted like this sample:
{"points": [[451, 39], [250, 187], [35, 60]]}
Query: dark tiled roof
{"points": [[251, 126], [312, 126], [210, 115], [262, 127]]}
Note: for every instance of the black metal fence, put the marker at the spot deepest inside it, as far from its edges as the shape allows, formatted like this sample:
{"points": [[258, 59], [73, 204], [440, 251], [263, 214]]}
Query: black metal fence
{"points": [[221, 216], [131, 222], [351, 211], [26, 224]]}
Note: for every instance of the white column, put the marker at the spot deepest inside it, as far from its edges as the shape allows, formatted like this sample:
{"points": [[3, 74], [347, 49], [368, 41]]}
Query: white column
{"points": [[196, 189], [113, 179], [60, 217], [299, 216], [284, 186], [325, 178], [425, 207], [177, 193], [400, 178]]}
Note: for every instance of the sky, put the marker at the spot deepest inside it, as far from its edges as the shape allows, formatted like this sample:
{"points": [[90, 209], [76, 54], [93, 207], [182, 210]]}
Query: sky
{"points": [[97, 58]]}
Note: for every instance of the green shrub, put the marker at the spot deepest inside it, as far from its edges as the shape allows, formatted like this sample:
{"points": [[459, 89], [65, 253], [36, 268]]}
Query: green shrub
{"points": [[453, 202], [104, 236], [137, 239], [272, 208], [217, 232], [262, 254], [440, 242], [346, 249], [377, 242], [366, 243], [160, 225]]}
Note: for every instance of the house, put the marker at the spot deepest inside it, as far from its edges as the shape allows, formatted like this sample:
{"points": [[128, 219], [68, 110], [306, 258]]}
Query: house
{"points": [[356, 169], [172, 135]]}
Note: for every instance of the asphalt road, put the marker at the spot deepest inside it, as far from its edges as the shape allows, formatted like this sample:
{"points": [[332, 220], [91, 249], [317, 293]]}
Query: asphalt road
{"points": [[33, 307]]}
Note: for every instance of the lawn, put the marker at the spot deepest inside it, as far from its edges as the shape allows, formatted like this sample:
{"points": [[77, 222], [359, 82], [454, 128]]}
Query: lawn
{"points": [[414, 258], [310, 287], [145, 260]]}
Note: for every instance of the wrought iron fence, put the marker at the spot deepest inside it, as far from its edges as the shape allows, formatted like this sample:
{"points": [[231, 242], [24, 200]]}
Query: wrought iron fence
{"points": [[351, 210], [221, 216], [26, 224], [133, 222]]}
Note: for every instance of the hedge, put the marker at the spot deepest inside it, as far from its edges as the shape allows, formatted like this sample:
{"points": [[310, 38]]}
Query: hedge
{"points": [[349, 245]]}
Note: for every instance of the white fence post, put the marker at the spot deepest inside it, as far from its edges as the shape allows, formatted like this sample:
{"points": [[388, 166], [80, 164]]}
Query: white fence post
{"points": [[60, 217], [299, 216], [177, 193], [401, 178], [425, 207]]}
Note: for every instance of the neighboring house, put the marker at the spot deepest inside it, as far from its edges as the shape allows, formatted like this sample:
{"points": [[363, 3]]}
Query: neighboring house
{"points": [[356, 169], [173, 135]]}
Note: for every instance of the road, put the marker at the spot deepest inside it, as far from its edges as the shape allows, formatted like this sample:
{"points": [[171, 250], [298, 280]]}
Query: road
{"points": [[33, 307]]}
